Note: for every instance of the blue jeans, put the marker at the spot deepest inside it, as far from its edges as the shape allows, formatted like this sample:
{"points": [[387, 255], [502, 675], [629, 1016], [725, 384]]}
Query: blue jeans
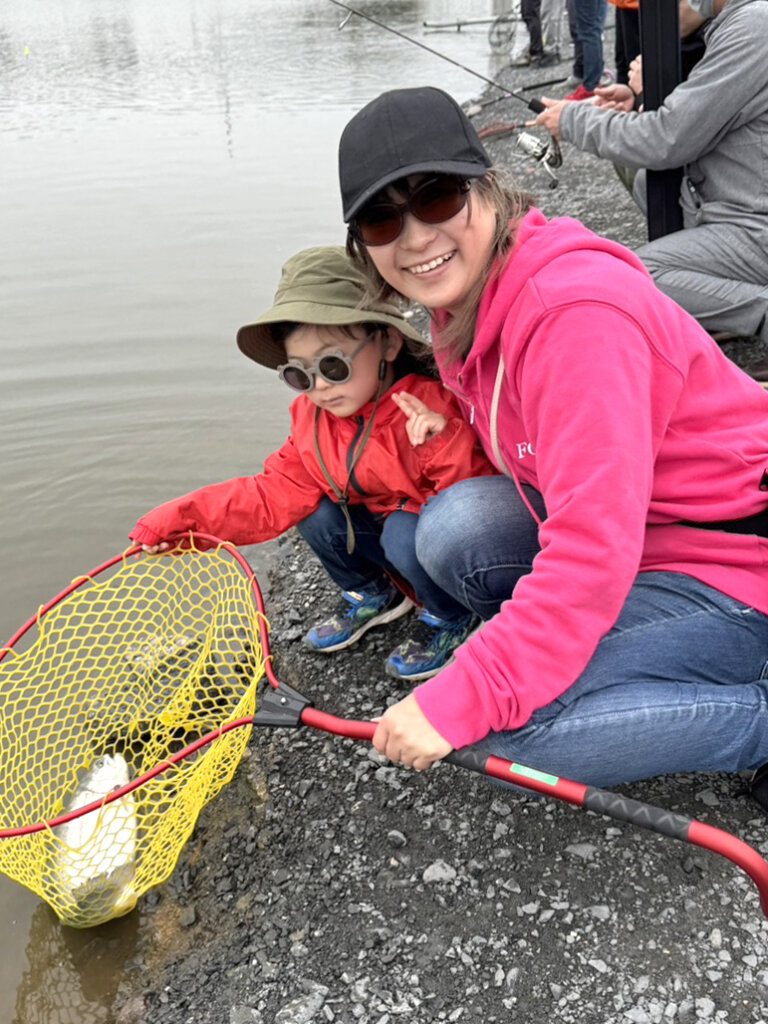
{"points": [[381, 545], [590, 17], [679, 684]]}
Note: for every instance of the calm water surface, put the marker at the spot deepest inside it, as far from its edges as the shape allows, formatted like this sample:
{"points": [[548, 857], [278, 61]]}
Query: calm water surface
{"points": [[158, 163]]}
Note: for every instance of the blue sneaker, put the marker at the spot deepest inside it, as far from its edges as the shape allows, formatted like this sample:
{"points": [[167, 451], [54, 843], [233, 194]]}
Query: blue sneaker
{"points": [[358, 614], [432, 649]]}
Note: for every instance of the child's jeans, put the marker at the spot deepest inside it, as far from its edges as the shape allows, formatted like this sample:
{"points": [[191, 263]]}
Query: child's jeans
{"points": [[382, 543]]}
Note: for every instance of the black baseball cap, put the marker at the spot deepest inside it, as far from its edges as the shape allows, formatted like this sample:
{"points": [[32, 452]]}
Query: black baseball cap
{"points": [[402, 132]]}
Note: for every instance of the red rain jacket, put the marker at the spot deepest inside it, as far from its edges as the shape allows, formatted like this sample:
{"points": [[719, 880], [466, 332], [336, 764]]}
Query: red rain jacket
{"points": [[390, 474]]}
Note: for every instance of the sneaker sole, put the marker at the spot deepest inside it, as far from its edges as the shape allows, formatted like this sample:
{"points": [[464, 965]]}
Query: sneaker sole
{"points": [[380, 620]]}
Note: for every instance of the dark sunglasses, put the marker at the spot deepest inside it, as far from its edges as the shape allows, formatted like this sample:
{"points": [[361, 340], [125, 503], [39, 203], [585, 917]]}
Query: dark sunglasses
{"points": [[334, 367], [433, 202]]}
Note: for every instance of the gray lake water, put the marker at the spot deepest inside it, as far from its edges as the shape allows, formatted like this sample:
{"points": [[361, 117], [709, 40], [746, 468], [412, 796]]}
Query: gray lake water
{"points": [[158, 163]]}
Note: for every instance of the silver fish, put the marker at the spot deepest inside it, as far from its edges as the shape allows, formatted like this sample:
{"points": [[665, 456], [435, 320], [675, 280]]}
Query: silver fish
{"points": [[95, 859]]}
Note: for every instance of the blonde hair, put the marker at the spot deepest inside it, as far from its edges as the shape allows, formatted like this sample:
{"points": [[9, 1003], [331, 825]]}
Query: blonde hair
{"points": [[510, 204]]}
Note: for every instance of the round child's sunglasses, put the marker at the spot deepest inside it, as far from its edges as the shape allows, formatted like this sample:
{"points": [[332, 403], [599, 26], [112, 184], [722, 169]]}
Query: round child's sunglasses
{"points": [[433, 202], [334, 367]]}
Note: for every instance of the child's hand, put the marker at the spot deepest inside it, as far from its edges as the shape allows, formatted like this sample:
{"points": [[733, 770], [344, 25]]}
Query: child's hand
{"points": [[421, 423], [155, 549]]}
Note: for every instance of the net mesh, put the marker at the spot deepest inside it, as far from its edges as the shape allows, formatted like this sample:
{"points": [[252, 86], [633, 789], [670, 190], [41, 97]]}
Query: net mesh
{"points": [[128, 669]]}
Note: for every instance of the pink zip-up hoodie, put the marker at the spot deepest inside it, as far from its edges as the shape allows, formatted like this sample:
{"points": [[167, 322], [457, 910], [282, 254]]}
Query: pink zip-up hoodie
{"points": [[621, 410]]}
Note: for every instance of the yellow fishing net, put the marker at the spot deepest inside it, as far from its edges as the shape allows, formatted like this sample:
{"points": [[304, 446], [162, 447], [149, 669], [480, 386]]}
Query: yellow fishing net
{"points": [[127, 670]]}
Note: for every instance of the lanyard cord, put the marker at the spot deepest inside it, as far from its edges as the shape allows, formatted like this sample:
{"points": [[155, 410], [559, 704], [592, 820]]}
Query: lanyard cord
{"points": [[343, 496]]}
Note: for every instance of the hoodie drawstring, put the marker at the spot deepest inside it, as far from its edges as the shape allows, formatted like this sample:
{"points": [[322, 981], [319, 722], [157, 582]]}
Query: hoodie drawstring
{"points": [[494, 425]]}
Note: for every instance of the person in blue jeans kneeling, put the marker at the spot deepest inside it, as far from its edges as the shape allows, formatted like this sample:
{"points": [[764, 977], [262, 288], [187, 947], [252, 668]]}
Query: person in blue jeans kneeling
{"points": [[373, 435]]}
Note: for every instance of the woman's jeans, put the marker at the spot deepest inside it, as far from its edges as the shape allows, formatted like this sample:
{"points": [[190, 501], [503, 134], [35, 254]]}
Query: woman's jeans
{"points": [[678, 685], [381, 545]]}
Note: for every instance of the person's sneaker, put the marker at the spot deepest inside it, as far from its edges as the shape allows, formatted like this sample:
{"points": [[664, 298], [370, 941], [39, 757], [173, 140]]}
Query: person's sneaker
{"points": [[580, 94], [431, 649], [573, 81], [357, 614], [545, 59]]}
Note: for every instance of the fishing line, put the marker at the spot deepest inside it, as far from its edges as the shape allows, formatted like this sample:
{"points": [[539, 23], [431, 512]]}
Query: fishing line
{"points": [[282, 706], [533, 104]]}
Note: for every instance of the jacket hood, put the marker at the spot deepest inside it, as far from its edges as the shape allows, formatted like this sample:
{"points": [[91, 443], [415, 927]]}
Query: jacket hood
{"points": [[537, 268], [728, 8]]}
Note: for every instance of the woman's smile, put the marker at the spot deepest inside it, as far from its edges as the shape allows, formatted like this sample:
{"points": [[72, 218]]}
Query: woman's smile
{"points": [[433, 264]]}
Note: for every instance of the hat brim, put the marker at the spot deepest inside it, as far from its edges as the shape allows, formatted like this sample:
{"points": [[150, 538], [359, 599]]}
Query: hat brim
{"points": [[461, 168], [258, 343]]}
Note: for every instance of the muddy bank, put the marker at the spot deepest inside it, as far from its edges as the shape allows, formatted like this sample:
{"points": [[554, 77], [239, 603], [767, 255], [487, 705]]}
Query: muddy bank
{"points": [[327, 885]]}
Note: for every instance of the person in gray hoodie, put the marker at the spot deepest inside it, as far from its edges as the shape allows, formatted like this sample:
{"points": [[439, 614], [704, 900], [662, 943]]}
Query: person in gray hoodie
{"points": [[714, 125]]}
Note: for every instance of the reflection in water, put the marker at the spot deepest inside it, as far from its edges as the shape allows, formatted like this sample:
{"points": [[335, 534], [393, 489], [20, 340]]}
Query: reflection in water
{"points": [[113, 45], [73, 976], [159, 163]]}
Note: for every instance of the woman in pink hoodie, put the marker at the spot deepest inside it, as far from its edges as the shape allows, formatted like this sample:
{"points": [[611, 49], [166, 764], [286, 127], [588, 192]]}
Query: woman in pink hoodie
{"points": [[621, 563]]}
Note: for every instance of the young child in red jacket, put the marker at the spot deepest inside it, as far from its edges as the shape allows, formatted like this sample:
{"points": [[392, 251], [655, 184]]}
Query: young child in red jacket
{"points": [[374, 435]]}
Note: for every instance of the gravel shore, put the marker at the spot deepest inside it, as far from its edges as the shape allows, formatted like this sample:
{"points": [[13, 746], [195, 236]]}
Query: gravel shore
{"points": [[327, 885]]}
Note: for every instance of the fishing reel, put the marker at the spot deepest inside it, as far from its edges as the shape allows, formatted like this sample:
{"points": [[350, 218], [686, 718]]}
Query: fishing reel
{"points": [[547, 153]]}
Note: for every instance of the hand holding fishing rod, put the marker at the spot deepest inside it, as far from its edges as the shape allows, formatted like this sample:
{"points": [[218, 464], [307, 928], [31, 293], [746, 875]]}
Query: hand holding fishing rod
{"points": [[286, 707]]}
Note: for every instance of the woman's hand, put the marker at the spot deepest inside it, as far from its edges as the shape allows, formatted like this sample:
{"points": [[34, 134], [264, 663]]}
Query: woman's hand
{"points": [[405, 734], [421, 423], [615, 97]]}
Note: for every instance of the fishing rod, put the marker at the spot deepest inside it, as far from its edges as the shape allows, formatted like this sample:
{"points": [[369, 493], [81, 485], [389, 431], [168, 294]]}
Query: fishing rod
{"points": [[547, 154], [479, 105], [533, 104]]}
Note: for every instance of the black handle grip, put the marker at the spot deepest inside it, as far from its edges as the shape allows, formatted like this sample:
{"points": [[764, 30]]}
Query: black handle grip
{"points": [[643, 815], [469, 758], [536, 106]]}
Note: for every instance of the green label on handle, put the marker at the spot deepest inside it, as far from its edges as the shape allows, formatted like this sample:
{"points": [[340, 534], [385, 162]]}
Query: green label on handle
{"points": [[532, 773]]}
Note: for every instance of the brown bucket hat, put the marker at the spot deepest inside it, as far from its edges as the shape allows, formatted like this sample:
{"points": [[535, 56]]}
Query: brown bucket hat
{"points": [[318, 286]]}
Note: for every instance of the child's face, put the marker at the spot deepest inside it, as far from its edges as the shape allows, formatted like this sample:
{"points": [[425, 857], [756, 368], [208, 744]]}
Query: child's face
{"points": [[308, 342]]}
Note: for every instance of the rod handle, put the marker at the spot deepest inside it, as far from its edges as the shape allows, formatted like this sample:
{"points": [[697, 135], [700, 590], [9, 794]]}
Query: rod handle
{"points": [[624, 808], [470, 758]]}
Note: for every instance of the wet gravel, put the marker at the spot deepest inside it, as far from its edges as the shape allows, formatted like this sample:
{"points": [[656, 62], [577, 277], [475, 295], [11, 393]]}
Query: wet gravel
{"points": [[326, 885]]}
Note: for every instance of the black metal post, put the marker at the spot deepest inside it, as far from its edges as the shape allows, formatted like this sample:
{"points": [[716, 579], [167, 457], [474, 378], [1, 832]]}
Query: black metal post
{"points": [[660, 47]]}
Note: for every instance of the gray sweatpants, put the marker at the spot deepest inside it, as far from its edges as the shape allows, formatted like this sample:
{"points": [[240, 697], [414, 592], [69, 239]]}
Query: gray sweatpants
{"points": [[717, 272]]}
